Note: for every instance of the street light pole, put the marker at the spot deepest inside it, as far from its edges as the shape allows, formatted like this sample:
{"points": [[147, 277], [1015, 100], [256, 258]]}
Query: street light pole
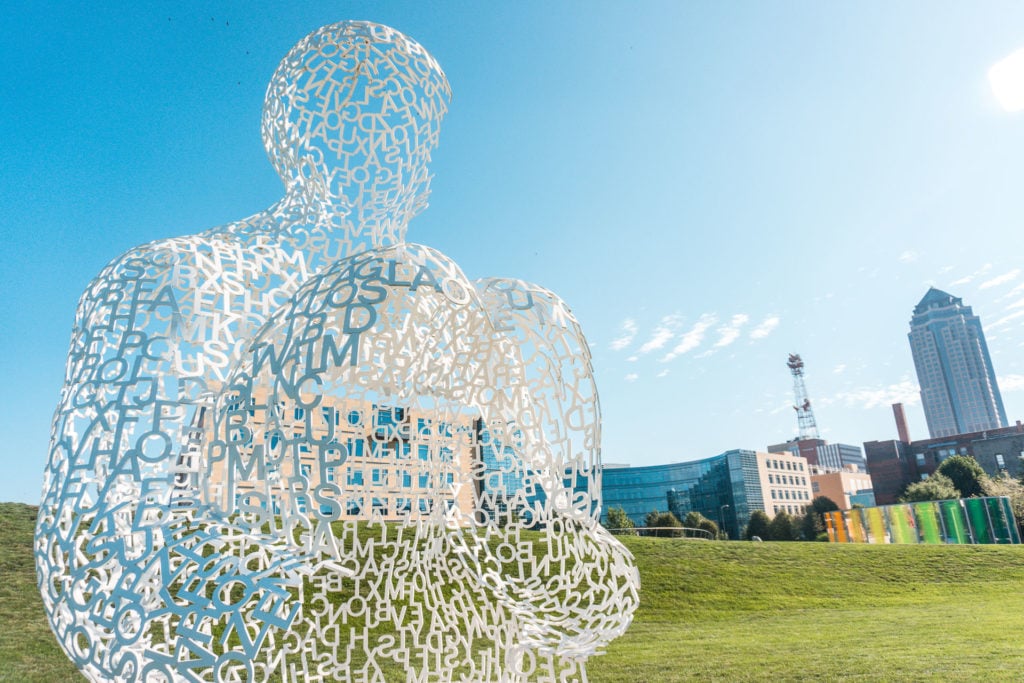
{"points": [[721, 515]]}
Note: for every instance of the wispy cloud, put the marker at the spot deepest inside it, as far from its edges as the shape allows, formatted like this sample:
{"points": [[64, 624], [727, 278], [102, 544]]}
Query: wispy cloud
{"points": [[692, 338], [766, 327], [839, 369], [1008, 383], [632, 377], [970, 278], [1017, 289], [628, 335], [663, 333], [663, 373], [905, 391], [731, 332], [1016, 304], [632, 359], [1004, 320], [1000, 279], [909, 256]]}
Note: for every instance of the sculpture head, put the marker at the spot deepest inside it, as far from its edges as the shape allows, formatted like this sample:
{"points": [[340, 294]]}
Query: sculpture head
{"points": [[350, 119]]}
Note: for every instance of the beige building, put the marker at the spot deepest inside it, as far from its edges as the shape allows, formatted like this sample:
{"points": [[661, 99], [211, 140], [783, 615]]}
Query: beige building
{"points": [[342, 459], [839, 486], [785, 482]]}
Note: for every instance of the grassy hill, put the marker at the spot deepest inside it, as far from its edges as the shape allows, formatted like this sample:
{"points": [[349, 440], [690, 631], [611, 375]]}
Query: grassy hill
{"points": [[727, 611]]}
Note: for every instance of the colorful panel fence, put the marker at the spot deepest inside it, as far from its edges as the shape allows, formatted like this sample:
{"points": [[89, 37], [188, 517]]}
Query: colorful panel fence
{"points": [[967, 520]]}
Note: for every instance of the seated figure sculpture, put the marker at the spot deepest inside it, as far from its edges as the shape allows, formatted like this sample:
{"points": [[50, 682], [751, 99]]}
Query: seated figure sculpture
{"points": [[297, 447]]}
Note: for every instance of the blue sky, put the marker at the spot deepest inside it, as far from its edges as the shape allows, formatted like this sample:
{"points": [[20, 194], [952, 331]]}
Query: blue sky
{"points": [[709, 185]]}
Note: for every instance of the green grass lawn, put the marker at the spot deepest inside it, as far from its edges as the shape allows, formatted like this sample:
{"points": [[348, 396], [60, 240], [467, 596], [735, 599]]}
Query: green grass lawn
{"points": [[727, 611]]}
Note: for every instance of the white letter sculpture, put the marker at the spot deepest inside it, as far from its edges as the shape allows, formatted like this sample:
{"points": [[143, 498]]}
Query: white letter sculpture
{"points": [[299, 448]]}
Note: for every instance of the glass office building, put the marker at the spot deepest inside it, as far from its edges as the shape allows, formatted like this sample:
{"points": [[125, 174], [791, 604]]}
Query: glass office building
{"points": [[725, 488]]}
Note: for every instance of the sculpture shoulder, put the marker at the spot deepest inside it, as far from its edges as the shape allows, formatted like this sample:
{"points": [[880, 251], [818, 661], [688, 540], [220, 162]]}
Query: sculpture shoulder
{"points": [[527, 301]]}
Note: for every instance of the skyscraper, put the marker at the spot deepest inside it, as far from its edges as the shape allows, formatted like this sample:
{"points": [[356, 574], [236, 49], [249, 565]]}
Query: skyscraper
{"points": [[958, 385]]}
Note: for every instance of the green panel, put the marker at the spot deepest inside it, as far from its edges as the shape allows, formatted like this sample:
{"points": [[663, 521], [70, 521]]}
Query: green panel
{"points": [[876, 525], [901, 522], [928, 522], [1008, 511], [956, 523], [1000, 524], [978, 517]]}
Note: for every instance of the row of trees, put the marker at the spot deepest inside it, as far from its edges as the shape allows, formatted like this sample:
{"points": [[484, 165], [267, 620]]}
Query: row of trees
{"points": [[962, 477], [809, 526], [665, 523]]}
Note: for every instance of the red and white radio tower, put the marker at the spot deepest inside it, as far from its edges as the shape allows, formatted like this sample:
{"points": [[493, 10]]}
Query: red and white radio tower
{"points": [[808, 428]]}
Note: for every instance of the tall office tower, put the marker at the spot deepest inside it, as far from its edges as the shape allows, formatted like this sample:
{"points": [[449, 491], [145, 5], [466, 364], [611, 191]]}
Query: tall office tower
{"points": [[958, 385]]}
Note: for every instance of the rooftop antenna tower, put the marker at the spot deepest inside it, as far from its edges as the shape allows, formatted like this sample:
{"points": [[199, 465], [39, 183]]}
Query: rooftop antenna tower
{"points": [[808, 428]]}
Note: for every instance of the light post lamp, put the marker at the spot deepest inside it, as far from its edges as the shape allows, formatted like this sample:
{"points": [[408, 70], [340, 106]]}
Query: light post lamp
{"points": [[721, 516]]}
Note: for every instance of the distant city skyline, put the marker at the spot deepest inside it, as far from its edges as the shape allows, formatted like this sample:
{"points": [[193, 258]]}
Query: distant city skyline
{"points": [[959, 390], [709, 187]]}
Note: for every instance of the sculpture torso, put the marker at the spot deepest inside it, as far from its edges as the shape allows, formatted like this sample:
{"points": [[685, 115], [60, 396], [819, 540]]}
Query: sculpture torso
{"points": [[269, 453]]}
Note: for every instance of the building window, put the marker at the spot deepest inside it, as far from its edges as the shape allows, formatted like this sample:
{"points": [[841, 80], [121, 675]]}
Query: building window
{"points": [[920, 459], [1000, 462]]}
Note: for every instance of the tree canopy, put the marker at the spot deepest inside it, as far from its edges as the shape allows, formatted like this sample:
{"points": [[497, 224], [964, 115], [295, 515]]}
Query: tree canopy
{"points": [[782, 527], [695, 520], [822, 504], [663, 519], [936, 487], [618, 519], [966, 474], [757, 526], [812, 524]]}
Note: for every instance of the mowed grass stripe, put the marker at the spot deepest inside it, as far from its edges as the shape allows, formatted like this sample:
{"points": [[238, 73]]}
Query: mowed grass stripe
{"points": [[721, 611]]}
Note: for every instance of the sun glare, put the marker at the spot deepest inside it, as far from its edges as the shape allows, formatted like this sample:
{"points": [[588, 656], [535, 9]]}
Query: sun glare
{"points": [[1007, 80]]}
